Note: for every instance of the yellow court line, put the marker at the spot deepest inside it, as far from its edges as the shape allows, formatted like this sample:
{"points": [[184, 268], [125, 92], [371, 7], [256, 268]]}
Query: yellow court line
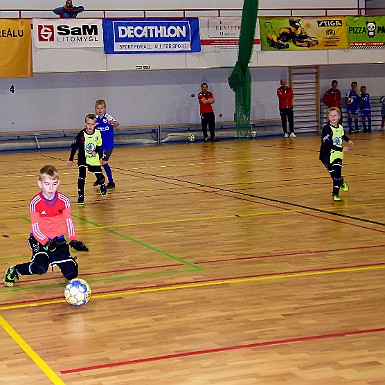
{"points": [[191, 219], [31, 353], [202, 284]]}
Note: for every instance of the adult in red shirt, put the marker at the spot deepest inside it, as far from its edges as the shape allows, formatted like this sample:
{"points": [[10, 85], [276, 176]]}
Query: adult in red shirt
{"points": [[332, 97], [285, 96], [206, 101]]}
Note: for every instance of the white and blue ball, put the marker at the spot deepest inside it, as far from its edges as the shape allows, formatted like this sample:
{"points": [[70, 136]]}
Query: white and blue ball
{"points": [[77, 292]]}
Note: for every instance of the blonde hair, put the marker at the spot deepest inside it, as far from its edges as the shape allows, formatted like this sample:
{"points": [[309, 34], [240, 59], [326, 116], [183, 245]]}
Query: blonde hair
{"points": [[50, 171], [331, 109], [100, 102], [90, 116]]}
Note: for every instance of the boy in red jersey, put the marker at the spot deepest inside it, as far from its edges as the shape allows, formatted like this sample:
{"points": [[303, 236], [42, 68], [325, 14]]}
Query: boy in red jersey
{"points": [[50, 215], [206, 100]]}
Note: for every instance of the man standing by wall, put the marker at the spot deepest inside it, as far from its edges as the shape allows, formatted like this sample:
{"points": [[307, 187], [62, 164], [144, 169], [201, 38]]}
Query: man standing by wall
{"points": [[206, 100], [332, 97], [285, 96]]}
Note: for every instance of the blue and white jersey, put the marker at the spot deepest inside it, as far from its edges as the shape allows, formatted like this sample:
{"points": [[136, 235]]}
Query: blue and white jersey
{"points": [[365, 102], [107, 130], [353, 107]]}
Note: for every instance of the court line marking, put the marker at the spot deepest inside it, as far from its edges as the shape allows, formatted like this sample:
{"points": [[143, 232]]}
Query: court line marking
{"points": [[204, 186], [140, 243], [176, 265], [43, 366], [223, 349], [199, 284]]}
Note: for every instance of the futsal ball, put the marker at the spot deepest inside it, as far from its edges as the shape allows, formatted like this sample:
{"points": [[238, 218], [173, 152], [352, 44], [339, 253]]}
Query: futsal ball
{"points": [[382, 100], [349, 100], [77, 292], [191, 138]]}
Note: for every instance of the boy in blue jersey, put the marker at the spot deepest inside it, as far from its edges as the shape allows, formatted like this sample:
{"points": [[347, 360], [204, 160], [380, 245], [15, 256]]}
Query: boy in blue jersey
{"points": [[352, 99], [366, 110], [106, 124]]}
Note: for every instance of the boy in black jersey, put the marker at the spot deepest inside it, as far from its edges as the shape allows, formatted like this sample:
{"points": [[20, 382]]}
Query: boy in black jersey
{"points": [[88, 144], [332, 151]]}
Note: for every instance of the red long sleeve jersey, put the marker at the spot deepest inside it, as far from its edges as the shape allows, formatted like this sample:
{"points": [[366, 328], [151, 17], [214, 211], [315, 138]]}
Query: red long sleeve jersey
{"points": [[285, 97], [51, 218]]}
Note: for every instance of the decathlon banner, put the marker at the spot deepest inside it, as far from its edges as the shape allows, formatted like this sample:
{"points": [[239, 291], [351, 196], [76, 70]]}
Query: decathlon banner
{"points": [[366, 32], [222, 33], [67, 33], [151, 36], [303, 33], [15, 48]]}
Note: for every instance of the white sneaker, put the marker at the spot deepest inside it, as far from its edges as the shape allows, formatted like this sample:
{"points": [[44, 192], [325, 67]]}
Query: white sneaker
{"points": [[292, 135], [286, 135]]}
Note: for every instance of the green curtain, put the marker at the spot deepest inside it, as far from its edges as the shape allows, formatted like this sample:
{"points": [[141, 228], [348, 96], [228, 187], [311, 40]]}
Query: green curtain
{"points": [[240, 79]]}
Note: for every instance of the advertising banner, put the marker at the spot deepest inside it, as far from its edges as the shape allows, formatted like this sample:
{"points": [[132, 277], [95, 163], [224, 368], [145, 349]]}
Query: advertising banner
{"points": [[367, 32], [222, 33], [15, 48], [133, 36], [67, 33], [303, 33]]}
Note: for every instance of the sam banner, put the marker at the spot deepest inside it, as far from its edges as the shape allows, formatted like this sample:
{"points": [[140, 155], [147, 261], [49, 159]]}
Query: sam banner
{"points": [[67, 33], [151, 36], [303, 33], [367, 32], [15, 48]]}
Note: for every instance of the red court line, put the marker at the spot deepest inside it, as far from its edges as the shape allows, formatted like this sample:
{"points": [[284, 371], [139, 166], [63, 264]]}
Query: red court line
{"points": [[291, 254], [223, 349], [227, 279]]}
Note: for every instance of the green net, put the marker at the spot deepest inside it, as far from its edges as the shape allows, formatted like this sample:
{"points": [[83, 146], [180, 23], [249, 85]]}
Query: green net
{"points": [[240, 79]]}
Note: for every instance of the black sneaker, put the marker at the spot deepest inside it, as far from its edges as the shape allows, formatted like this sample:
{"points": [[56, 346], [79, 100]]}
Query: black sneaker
{"points": [[80, 200], [11, 276], [103, 189], [110, 185], [96, 183]]}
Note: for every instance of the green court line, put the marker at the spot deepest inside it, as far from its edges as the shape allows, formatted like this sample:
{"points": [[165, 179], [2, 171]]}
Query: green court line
{"points": [[164, 253], [193, 267]]}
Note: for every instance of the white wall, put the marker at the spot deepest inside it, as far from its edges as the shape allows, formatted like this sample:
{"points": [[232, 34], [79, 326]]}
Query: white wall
{"points": [[60, 101]]}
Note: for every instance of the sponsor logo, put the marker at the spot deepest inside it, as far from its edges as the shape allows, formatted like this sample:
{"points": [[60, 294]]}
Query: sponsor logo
{"points": [[329, 23], [66, 33], [46, 32]]}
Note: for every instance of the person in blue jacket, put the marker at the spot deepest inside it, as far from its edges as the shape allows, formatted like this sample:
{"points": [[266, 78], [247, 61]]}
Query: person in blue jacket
{"points": [[68, 11]]}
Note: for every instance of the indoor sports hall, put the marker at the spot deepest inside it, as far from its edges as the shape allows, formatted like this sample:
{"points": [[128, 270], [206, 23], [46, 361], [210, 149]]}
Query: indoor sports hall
{"points": [[223, 262]]}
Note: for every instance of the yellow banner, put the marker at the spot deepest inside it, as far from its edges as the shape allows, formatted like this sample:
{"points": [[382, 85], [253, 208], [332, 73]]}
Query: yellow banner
{"points": [[303, 33], [15, 48]]}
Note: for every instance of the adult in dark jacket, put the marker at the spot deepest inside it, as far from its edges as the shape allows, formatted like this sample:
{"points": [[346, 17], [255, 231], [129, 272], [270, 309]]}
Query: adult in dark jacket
{"points": [[68, 11]]}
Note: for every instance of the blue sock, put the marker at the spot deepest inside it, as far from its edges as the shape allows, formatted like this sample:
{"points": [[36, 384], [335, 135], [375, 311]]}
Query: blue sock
{"points": [[108, 171], [356, 124], [350, 121]]}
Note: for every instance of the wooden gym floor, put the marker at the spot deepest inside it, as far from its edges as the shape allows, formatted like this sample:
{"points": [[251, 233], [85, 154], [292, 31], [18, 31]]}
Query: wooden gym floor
{"points": [[210, 263]]}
